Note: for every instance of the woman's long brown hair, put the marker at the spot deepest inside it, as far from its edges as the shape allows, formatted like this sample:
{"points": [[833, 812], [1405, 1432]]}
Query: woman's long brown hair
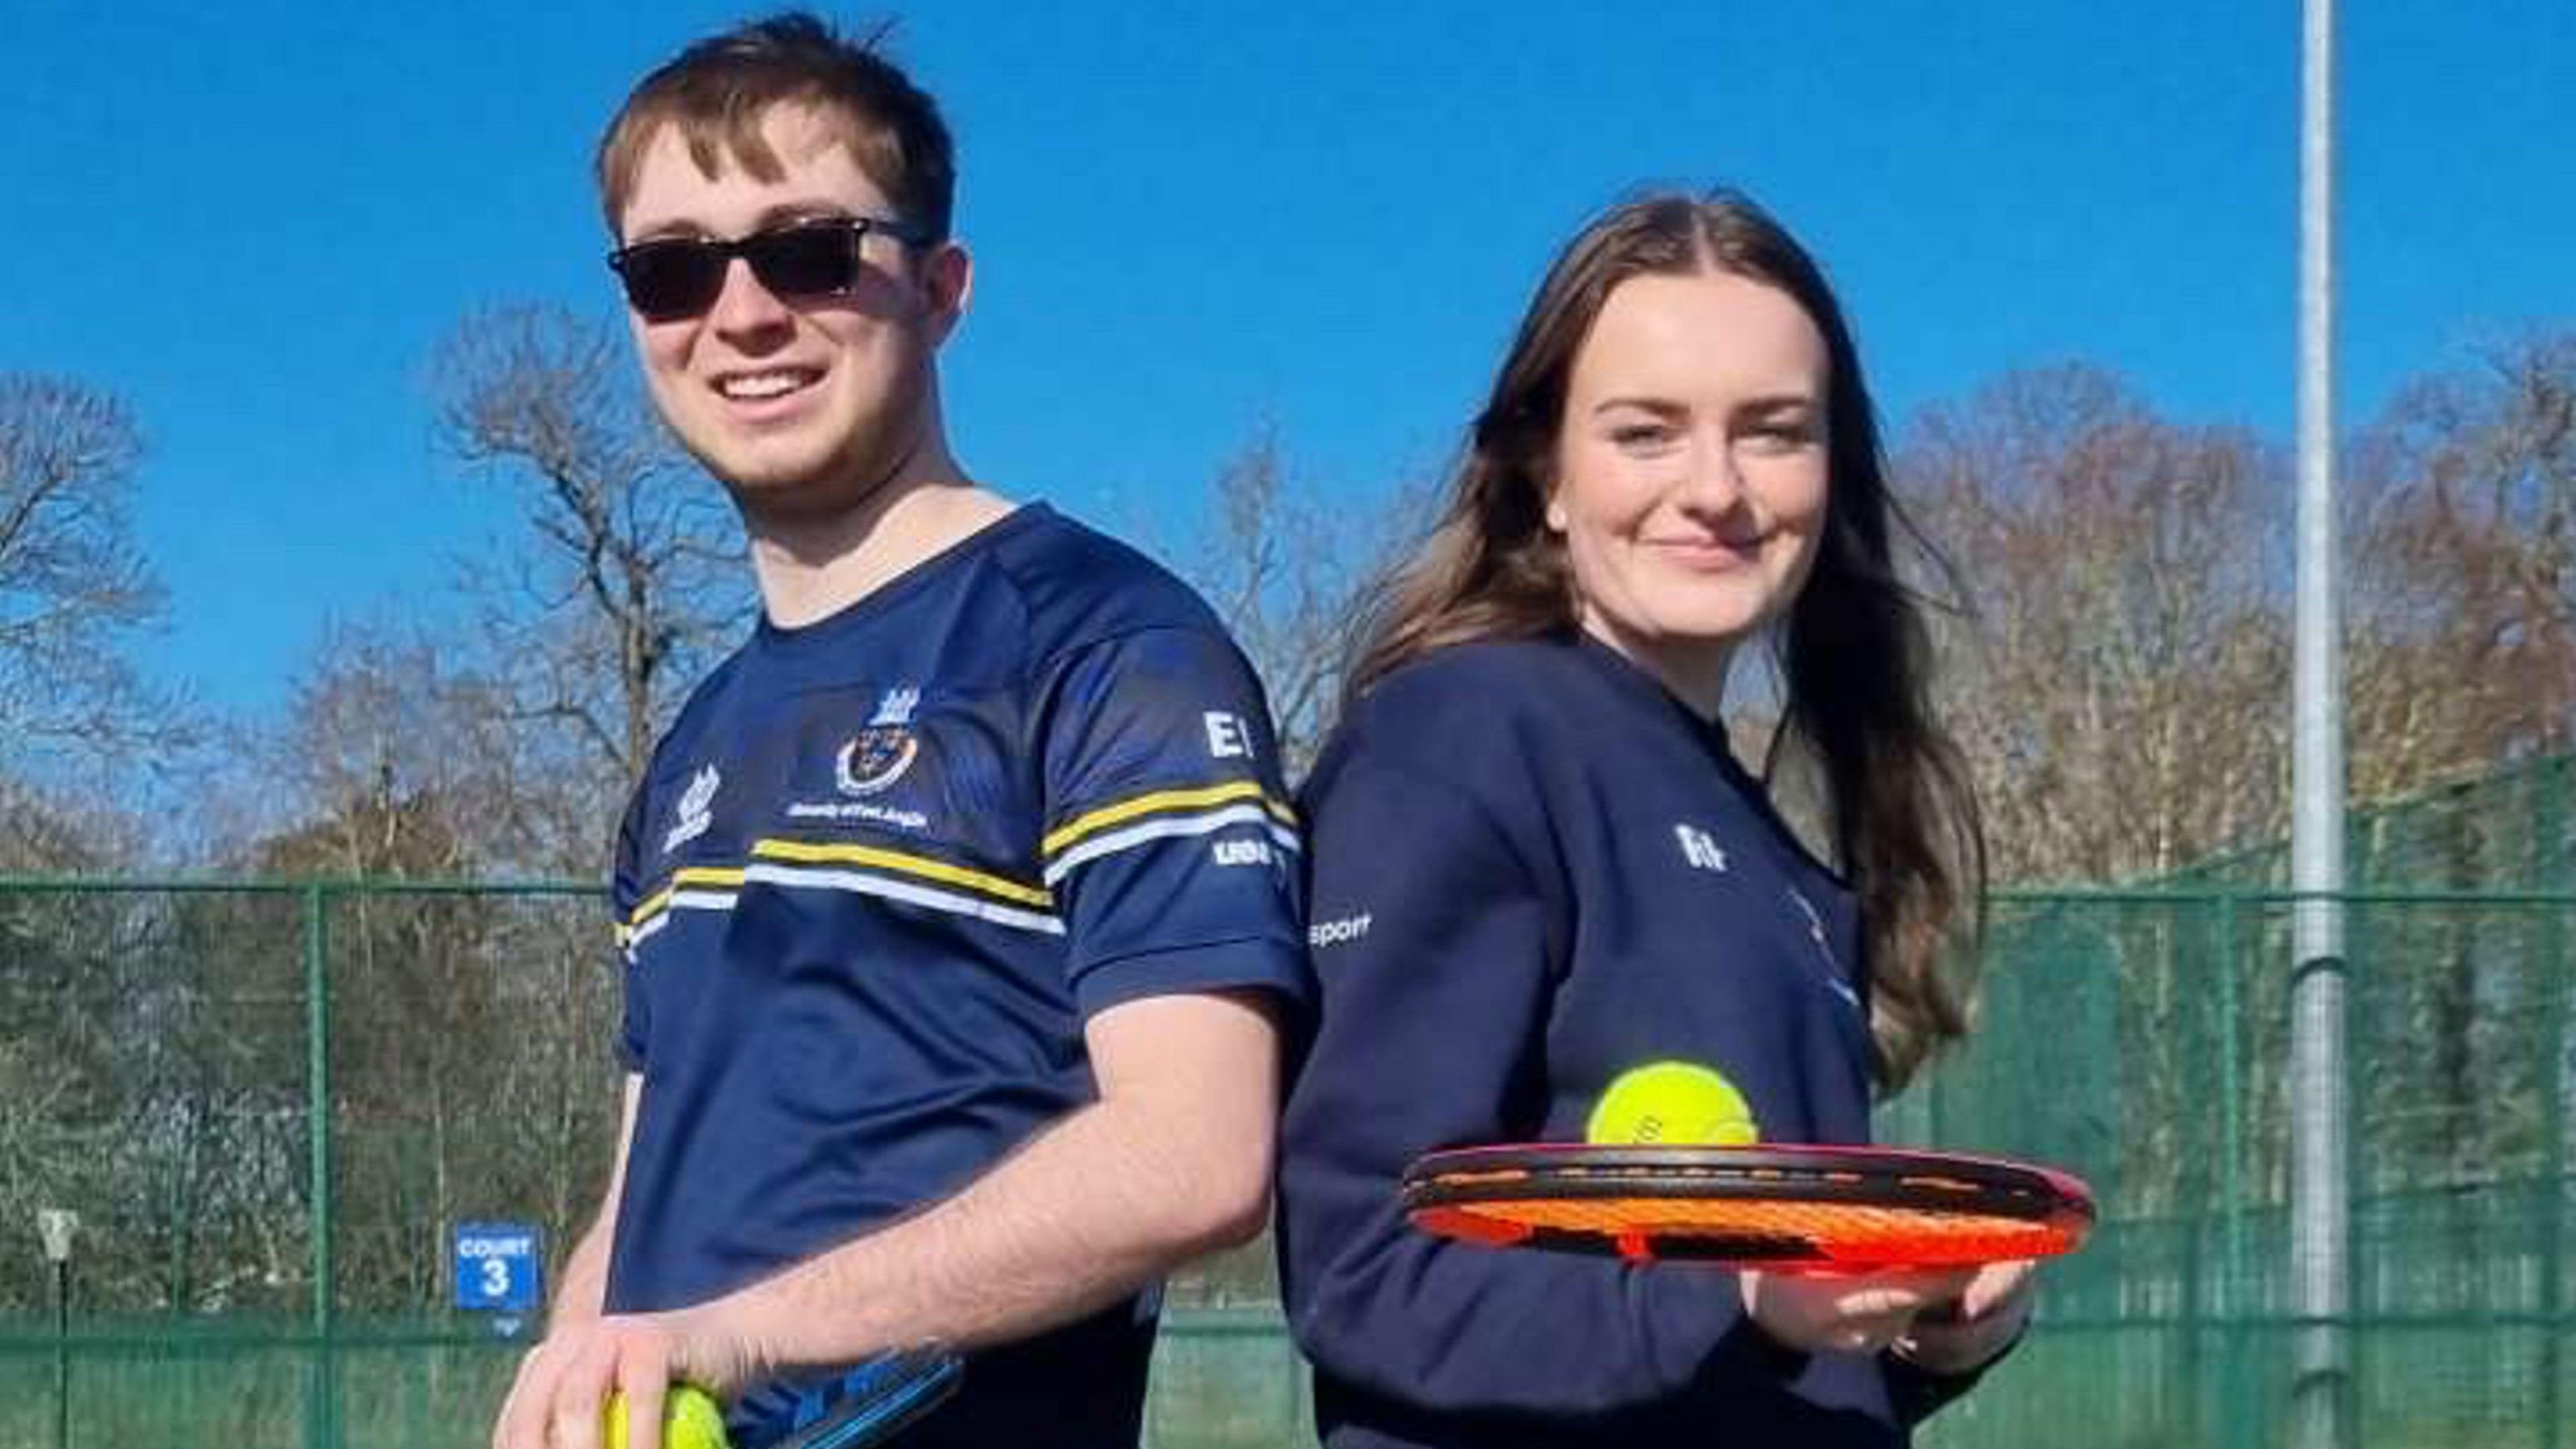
{"points": [[1854, 655]]}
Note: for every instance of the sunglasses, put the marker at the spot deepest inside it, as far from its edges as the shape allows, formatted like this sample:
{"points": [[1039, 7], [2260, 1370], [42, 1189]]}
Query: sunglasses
{"points": [[669, 278]]}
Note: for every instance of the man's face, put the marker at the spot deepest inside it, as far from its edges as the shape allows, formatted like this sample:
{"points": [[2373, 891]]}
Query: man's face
{"points": [[803, 405]]}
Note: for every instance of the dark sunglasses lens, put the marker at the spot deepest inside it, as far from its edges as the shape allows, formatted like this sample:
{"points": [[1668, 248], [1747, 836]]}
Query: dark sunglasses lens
{"points": [[809, 261], [668, 279]]}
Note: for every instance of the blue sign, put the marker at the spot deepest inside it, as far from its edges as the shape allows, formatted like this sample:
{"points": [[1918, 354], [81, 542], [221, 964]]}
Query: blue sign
{"points": [[497, 1267]]}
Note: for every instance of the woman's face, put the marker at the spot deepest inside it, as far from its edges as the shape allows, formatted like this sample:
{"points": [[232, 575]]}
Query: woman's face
{"points": [[1690, 471]]}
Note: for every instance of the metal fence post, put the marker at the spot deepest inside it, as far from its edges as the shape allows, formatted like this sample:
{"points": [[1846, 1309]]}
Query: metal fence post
{"points": [[2554, 845], [62, 1355], [56, 1226], [2232, 1306], [323, 1420]]}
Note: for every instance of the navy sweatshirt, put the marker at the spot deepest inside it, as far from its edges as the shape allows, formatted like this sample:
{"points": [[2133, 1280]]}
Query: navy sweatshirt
{"points": [[1534, 869]]}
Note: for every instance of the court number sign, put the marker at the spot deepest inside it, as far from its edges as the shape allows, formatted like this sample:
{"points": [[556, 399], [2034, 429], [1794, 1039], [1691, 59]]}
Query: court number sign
{"points": [[497, 1267]]}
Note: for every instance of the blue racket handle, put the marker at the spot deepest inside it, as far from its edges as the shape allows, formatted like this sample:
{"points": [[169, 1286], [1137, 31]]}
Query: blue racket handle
{"points": [[881, 1398]]}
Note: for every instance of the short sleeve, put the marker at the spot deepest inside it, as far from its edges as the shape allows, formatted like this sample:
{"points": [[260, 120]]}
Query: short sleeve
{"points": [[1169, 844], [625, 896]]}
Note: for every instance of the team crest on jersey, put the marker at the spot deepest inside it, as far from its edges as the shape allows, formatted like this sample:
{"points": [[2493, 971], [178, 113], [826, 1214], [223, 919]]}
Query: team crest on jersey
{"points": [[696, 810], [878, 755]]}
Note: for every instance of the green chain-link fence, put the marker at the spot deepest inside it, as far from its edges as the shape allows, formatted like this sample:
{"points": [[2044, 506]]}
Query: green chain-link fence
{"points": [[2506, 831], [165, 1044], [2143, 1040]]}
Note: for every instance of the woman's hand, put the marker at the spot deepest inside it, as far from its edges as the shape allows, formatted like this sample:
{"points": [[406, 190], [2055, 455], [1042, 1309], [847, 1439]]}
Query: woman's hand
{"points": [[1981, 1323], [1848, 1313]]}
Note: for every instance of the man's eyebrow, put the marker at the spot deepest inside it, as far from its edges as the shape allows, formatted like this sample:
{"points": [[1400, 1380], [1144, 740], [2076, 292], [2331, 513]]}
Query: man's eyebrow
{"points": [[785, 213], [788, 213], [662, 230]]}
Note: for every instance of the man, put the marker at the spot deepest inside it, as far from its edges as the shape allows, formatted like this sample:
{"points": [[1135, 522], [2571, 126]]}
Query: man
{"points": [[958, 902]]}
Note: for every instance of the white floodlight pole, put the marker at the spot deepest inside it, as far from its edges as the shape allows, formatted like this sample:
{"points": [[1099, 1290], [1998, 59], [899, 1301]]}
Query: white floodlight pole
{"points": [[2320, 1152]]}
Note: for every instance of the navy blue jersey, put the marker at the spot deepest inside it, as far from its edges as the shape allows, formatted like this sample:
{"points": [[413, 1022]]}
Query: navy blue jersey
{"points": [[882, 869], [1535, 870]]}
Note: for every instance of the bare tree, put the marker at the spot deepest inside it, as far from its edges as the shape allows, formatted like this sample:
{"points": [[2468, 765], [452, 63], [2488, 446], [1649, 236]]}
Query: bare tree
{"points": [[2464, 540], [1285, 572], [632, 567], [73, 584], [398, 759], [48, 833], [2117, 681], [2118, 687], [2122, 688], [2463, 658], [474, 1026]]}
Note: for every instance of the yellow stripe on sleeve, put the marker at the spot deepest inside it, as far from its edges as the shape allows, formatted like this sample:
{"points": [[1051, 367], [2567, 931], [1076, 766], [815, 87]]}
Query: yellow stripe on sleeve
{"points": [[726, 877], [1159, 802]]}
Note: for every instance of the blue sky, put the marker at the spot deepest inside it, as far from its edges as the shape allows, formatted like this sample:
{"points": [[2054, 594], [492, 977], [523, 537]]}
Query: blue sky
{"points": [[254, 222]]}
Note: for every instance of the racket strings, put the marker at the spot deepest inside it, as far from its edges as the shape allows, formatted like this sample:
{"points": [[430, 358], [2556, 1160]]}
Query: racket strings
{"points": [[1838, 1232], [1795, 1208]]}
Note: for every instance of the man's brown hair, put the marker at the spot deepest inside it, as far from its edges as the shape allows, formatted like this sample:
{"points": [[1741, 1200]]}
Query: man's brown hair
{"points": [[719, 91]]}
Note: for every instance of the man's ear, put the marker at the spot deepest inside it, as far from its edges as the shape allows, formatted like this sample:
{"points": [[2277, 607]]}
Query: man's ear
{"points": [[948, 277]]}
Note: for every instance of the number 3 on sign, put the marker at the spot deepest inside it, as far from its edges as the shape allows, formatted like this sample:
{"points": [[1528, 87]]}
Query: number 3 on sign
{"points": [[496, 1267]]}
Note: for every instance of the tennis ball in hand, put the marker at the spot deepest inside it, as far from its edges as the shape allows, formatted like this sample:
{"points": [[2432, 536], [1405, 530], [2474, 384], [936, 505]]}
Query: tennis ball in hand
{"points": [[1672, 1104], [690, 1420]]}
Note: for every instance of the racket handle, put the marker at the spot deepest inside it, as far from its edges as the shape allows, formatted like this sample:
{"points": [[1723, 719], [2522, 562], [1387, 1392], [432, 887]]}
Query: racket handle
{"points": [[881, 1398]]}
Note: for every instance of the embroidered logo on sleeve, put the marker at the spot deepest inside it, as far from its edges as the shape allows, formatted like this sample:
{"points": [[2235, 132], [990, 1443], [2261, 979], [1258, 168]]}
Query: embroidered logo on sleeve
{"points": [[696, 810]]}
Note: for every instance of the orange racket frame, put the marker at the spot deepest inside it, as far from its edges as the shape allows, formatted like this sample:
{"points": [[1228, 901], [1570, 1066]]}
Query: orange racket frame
{"points": [[1775, 1206]]}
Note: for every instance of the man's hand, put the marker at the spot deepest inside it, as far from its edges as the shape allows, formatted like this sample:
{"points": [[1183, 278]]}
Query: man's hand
{"points": [[564, 1382], [1172, 1161], [1858, 1313], [1988, 1314]]}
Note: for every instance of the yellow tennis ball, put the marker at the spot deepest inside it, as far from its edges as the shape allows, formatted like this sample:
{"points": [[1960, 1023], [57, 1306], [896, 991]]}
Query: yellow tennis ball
{"points": [[690, 1420], [1675, 1104]]}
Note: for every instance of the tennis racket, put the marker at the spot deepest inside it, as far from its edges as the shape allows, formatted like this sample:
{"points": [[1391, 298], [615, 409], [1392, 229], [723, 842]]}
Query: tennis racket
{"points": [[1774, 1207], [880, 1399]]}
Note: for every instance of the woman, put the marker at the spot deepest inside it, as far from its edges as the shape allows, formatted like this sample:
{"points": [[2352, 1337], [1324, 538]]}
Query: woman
{"points": [[1539, 868]]}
